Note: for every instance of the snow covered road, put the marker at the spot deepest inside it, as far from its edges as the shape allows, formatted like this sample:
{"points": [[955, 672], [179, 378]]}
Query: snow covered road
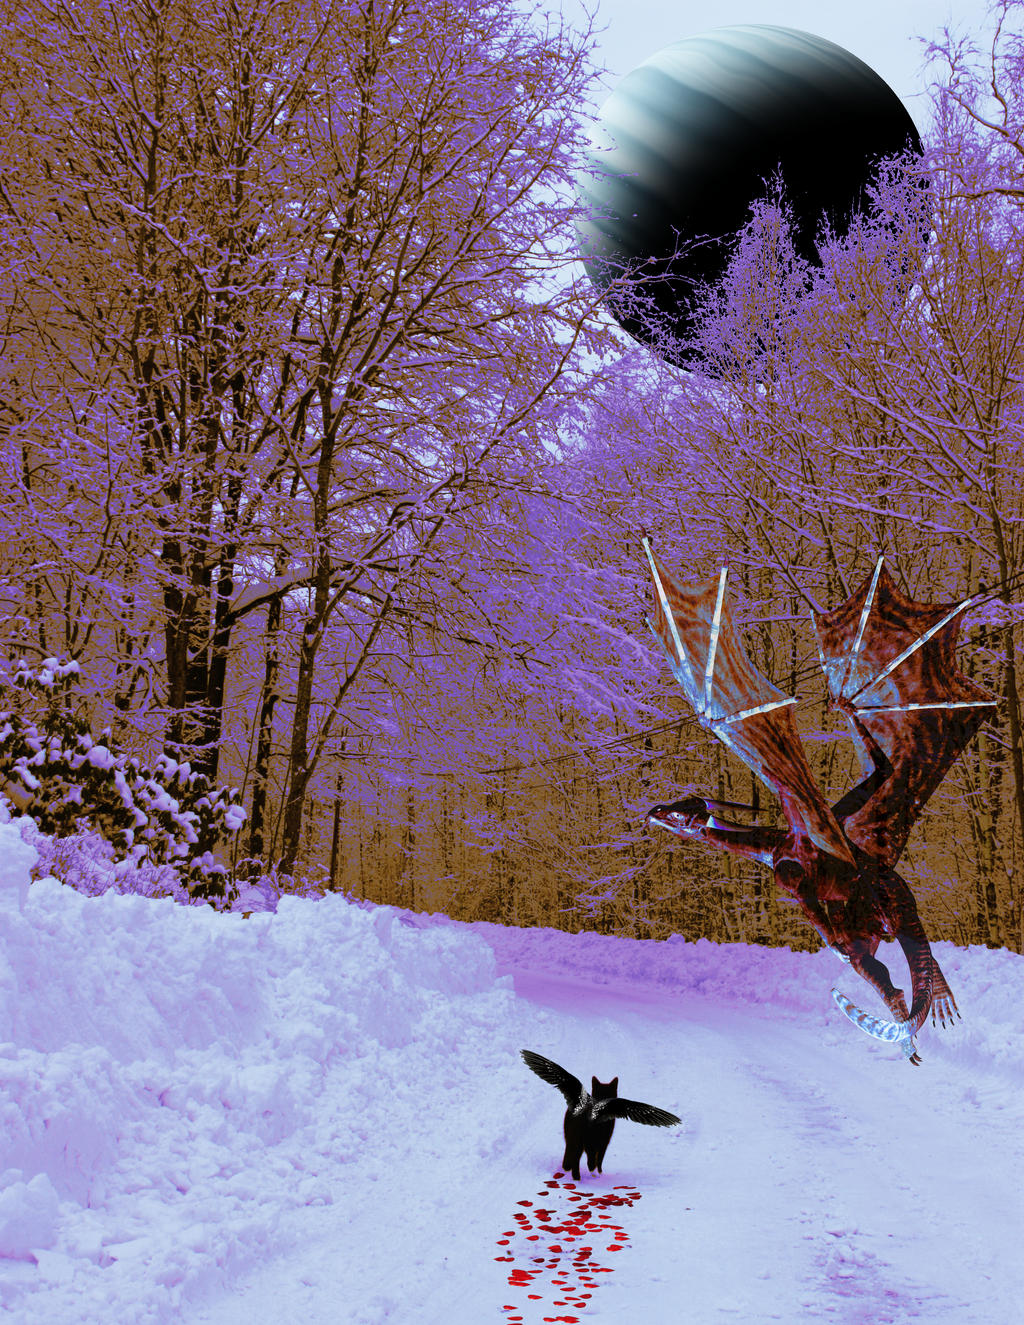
{"points": [[817, 1177], [320, 1116]]}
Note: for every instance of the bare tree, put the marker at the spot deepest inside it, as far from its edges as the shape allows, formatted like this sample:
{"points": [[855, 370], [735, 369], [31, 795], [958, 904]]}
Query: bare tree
{"points": [[300, 268]]}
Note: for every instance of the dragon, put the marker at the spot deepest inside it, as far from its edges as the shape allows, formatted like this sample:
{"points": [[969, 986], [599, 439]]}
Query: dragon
{"points": [[890, 667]]}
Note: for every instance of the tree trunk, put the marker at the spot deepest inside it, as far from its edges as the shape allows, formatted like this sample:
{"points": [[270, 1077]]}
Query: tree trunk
{"points": [[299, 771], [257, 817], [339, 783], [409, 842], [212, 713]]}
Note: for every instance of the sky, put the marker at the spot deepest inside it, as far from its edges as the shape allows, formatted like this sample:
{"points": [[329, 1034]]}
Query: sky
{"points": [[321, 1116], [882, 33]]}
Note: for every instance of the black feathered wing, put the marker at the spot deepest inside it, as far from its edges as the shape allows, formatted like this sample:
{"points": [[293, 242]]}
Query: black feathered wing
{"points": [[732, 699], [635, 1112], [570, 1086], [894, 661]]}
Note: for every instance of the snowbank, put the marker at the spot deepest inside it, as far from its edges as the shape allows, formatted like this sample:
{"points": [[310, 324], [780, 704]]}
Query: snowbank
{"points": [[175, 1078], [788, 985]]}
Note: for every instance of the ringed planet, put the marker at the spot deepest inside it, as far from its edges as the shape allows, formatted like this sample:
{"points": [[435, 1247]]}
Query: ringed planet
{"points": [[694, 135]]}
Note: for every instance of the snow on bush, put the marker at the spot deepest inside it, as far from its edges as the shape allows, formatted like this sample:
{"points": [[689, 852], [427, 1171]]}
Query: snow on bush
{"points": [[88, 862], [70, 781]]}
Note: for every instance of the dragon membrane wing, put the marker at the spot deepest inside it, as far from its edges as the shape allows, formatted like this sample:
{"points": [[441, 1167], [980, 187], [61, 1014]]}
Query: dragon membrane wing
{"points": [[893, 660], [731, 698]]}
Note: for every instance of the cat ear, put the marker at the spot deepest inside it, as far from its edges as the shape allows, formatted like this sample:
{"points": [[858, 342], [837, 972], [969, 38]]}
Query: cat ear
{"points": [[614, 1083], [594, 1083]]}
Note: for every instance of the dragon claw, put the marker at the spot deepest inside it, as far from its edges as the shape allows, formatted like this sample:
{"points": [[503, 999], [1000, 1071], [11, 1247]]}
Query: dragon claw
{"points": [[945, 1012]]}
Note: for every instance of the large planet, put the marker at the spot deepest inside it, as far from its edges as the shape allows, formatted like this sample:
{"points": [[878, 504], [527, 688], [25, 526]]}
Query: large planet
{"points": [[697, 133]]}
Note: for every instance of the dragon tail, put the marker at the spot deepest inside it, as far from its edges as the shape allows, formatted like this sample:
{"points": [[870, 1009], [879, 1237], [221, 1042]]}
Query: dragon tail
{"points": [[892, 1032]]}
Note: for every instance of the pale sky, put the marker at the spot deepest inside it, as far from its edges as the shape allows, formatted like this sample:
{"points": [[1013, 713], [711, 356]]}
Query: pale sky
{"points": [[880, 32]]}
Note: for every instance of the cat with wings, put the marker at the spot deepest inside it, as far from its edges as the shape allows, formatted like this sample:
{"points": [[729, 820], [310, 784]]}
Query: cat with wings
{"points": [[890, 667], [590, 1115]]}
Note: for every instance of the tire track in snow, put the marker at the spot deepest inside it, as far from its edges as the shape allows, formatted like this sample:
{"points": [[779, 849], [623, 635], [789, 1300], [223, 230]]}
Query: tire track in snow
{"points": [[890, 1246], [851, 1279]]}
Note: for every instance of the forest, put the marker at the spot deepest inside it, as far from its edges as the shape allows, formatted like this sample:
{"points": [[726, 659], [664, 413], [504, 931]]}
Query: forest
{"points": [[325, 468]]}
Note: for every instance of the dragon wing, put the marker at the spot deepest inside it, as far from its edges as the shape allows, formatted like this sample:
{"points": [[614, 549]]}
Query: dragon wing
{"points": [[733, 700], [894, 661]]}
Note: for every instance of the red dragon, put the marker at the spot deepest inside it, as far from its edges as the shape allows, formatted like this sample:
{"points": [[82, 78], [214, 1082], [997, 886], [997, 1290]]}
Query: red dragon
{"points": [[891, 670]]}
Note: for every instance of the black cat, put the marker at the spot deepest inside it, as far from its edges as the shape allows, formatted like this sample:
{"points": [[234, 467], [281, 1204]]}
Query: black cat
{"points": [[590, 1119]]}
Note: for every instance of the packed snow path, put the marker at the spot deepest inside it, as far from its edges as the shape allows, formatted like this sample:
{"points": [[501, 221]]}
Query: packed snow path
{"points": [[320, 1116]]}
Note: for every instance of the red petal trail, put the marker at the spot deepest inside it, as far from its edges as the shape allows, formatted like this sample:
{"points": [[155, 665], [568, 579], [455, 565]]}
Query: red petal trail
{"points": [[574, 1214]]}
